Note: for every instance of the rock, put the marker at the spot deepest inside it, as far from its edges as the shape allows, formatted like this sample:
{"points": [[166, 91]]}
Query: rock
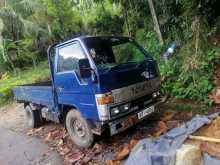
{"points": [[188, 155]]}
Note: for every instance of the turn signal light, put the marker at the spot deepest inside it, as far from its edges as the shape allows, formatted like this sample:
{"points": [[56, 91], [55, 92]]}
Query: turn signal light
{"points": [[105, 100]]}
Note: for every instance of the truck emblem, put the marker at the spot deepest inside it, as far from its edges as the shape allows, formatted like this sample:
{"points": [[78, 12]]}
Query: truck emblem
{"points": [[145, 74]]}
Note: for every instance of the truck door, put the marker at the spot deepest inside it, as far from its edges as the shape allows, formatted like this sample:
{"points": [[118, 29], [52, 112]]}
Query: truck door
{"points": [[71, 89]]}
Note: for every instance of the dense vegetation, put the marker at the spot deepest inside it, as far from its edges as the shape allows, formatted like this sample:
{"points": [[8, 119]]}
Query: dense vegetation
{"points": [[27, 27]]}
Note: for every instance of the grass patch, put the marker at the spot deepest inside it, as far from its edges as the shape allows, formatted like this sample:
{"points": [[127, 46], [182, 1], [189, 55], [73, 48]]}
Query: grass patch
{"points": [[30, 75], [186, 105]]}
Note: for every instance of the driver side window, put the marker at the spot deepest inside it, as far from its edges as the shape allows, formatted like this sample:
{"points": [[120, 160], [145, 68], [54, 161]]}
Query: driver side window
{"points": [[68, 57]]}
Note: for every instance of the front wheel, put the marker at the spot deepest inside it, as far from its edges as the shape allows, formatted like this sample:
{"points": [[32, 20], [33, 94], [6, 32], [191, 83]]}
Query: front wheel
{"points": [[79, 129]]}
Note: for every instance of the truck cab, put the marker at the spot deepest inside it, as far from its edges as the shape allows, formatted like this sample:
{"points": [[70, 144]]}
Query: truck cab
{"points": [[98, 84]]}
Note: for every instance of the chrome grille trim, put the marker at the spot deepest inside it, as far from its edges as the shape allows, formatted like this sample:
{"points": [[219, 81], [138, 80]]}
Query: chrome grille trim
{"points": [[136, 90]]}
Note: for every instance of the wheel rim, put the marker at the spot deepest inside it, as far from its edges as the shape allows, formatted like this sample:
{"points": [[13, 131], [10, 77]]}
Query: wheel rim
{"points": [[78, 128]]}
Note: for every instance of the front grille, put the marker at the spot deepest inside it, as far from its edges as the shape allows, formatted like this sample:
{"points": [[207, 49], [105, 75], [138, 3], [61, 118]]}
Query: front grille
{"points": [[135, 105], [140, 102]]}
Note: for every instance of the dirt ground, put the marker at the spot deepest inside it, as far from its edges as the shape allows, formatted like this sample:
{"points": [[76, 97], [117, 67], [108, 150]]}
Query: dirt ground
{"points": [[12, 117], [16, 147], [105, 148]]}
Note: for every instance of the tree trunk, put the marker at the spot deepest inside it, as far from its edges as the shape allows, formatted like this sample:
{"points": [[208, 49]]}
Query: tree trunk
{"points": [[127, 23], [156, 24]]}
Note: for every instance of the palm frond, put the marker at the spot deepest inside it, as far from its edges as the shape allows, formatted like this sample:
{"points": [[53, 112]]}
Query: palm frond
{"points": [[31, 28], [32, 6]]}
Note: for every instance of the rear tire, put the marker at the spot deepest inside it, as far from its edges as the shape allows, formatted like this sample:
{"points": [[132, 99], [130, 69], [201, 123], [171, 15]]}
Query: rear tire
{"points": [[33, 117], [79, 129]]}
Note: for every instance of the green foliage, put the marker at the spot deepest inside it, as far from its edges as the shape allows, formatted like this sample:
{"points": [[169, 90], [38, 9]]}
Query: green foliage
{"points": [[65, 20], [105, 23], [192, 80], [30, 75], [27, 27], [149, 41], [102, 18], [21, 36]]}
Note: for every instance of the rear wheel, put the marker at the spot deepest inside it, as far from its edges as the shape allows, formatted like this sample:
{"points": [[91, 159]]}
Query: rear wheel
{"points": [[79, 129], [33, 117]]}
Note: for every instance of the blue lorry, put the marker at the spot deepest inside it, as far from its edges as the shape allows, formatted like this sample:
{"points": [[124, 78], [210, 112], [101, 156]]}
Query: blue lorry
{"points": [[98, 84]]}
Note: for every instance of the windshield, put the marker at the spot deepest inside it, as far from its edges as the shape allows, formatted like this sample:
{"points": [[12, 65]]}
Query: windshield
{"points": [[109, 52]]}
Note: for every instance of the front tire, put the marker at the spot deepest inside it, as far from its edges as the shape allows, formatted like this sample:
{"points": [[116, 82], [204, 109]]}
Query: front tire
{"points": [[33, 117], [79, 129]]}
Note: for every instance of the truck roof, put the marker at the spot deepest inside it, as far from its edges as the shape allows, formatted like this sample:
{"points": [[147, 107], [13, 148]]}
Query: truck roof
{"points": [[91, 37]]}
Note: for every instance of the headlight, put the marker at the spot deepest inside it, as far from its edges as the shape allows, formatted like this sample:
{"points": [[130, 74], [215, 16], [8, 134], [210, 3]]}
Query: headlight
{"points": [[120, 109], [115, 111], [156, 94], [124, 107]]}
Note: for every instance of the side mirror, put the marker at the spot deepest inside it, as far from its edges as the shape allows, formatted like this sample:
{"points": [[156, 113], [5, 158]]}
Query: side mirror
{"points": [[170, 51], [84, 68]]}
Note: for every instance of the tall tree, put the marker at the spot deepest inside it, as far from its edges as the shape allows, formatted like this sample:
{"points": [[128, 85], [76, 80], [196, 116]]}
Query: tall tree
{"points": [[156, 24]]}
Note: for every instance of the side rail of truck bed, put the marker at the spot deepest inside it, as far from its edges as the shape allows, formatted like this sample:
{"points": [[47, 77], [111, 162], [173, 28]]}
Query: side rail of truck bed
{"points": [[41, 95]]}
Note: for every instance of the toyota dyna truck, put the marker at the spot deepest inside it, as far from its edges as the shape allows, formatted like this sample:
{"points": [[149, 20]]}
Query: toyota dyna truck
{"points": [[98, 84]]}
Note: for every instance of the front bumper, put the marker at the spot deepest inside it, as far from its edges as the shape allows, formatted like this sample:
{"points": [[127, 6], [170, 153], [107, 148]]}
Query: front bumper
{"points": [[124, 122], [128, 121]]}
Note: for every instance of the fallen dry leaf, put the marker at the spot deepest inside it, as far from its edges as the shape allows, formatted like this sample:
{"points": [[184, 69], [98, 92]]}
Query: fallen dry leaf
{"points": [[56, 134], [123, 153], [30, 133], [97, 148], [132, 143], [72, 158], [210, 149], [112, 162], [184, 116], [38, 130], [211, 130], [64, 150], [215, 95], [86, 159], [160, 129], [167, 116], [60, 142], [173, 124], [49, 137]]}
